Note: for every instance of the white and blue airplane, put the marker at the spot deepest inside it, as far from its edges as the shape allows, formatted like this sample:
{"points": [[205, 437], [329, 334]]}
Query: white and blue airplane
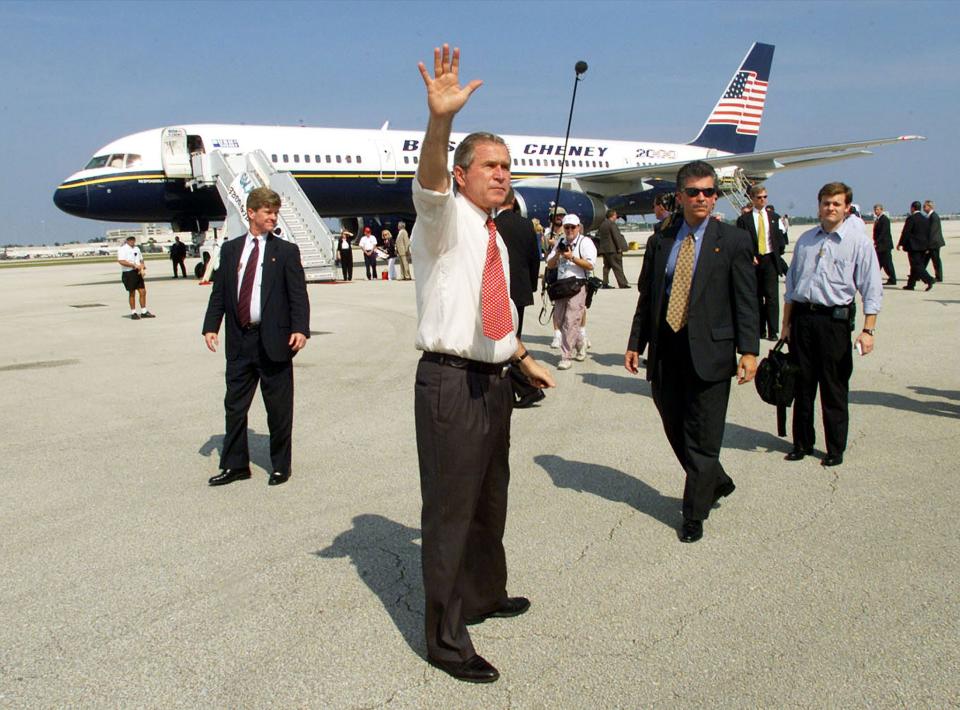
{"points": [[366, 173]]}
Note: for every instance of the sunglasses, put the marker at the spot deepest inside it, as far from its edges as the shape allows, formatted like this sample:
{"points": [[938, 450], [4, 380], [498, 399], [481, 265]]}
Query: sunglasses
{"points": [[570, 226], [694, 191]]}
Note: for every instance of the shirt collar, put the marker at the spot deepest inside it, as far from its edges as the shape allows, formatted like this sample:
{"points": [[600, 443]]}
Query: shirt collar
{"points": [[697, 233]]}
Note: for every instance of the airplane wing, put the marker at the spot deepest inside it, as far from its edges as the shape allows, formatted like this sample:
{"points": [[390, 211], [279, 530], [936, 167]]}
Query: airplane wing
{"points": [[755, 166]]}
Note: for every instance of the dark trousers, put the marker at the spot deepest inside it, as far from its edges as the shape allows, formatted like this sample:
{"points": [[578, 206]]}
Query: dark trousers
{"points": [[463, 445], [276, 386], [918, 269], [768, 294], [821, 347], [346, 264], [693, 412], [614, 260], [370, 262], [183, 267], [885, 259], [934, 256]]}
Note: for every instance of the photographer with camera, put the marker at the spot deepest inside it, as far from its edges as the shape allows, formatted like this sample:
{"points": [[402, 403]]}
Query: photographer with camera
{"points": [[573, 256]]}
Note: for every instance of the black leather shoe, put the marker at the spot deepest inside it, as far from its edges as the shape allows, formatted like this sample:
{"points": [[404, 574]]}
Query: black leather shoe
{"points": [[473, 670], [832, 460], [929, 286], [890, 282], [606, 286], [773, 336], [514, 606], [797, 454], [277, 478], [723, 491], [229, 475], [691, 530], [528, 400], [908, 288]]}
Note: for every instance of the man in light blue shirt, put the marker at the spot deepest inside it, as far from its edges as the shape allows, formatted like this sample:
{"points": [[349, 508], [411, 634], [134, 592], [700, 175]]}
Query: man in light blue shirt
{"points": [[831, 264]]}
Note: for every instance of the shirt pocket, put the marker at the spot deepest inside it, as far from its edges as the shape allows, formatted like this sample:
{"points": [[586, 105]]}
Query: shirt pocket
{"points": [[840, 272]]}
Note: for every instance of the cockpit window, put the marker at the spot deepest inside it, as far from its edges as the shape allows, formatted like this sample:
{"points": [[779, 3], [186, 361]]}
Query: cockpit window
{"points": [[116, 160], [133, 160], [98, 161]]}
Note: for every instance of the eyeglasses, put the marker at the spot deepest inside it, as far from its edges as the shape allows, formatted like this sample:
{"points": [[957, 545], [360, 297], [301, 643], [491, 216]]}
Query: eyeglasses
{"points": [[760, 197], [570, 226], [694, 191]]}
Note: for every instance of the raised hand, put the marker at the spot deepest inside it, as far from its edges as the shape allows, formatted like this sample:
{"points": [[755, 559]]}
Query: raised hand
{"points": [[445, 96]]}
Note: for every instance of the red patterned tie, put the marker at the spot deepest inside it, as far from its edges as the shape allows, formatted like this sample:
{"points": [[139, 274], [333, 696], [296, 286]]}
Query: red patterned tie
{"points": [[246, 285], [494, 302]]}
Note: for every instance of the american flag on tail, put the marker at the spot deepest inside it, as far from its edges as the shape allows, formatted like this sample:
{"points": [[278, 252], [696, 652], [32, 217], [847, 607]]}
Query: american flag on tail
{"points": [[741, 104]]}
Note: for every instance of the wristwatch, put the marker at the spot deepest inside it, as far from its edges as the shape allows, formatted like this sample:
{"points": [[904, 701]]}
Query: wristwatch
{"points": [[868, 331]]}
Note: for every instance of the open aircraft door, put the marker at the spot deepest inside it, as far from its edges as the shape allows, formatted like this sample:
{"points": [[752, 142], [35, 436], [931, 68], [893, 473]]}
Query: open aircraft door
{"points": [[388, 161], [174, 153]]}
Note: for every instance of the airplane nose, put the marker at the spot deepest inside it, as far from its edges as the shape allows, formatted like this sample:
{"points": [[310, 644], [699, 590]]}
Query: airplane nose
{"points": [[72, 200]]}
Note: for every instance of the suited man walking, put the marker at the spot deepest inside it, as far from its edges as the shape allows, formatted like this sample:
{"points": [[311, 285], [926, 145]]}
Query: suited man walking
{"points": [[936, 240], [611, 245], [261, 292], [769, 243], [697, 308], [915, 240], [883, 243], [523, 249]]}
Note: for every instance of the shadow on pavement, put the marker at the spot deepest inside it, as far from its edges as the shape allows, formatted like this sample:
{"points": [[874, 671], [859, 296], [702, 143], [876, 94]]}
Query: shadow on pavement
{"points": [[899, 401], [619, 384], [613, 485], [388, 562], [259, 448]]}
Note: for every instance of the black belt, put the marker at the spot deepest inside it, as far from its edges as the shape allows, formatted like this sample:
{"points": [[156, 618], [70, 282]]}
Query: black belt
{"points": [[486, 368], [836, 312], [250, 327]]}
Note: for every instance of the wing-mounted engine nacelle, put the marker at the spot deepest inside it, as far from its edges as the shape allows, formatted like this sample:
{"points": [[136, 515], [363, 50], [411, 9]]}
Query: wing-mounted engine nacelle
{"points": [[537, 202]]}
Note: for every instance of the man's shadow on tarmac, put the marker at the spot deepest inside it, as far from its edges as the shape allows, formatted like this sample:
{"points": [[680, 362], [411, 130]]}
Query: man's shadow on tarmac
{"points": [[388, 562], [259, 448], [611, 484], [903, 403]]}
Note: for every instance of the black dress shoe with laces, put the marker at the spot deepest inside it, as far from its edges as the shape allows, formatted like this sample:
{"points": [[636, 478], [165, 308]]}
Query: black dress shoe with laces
{"points": [[229, 475], [832, 460], [514, 606], [797, 454], [475, 669], [691, 530], [276, 478]]}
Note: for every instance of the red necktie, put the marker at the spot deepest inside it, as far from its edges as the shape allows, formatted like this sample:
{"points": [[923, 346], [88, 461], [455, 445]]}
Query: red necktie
{"points": [[246, 285], [494, 302]]}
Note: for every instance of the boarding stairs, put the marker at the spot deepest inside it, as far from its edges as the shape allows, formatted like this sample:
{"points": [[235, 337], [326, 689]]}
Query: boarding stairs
{"points": [[734, 187], [235, 175]]}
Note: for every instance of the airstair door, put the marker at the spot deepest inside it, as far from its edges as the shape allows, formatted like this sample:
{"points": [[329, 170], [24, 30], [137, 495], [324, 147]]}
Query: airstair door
{"points": [[174, 153], [388, 162]]}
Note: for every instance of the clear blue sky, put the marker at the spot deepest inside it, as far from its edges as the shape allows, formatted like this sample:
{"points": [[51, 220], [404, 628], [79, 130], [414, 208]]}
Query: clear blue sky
{"points": [[80, 74]]}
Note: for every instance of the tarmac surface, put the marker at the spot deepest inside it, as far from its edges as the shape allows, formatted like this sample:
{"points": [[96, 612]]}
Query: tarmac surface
{"points": [[128, 582]]}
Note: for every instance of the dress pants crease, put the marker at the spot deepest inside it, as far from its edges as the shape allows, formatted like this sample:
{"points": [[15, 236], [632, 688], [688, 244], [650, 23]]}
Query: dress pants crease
{"points": [[821, 348], [768, 294], [693, 412], [463, 441], [276, 386]]}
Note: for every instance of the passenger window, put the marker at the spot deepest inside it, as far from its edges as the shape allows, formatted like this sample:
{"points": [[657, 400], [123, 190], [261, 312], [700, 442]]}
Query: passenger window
{"points": [[133, 160], [296, 158], [339, 160], [306, 158], [273, 157], [358, 159], [349, 158], [416, 159], [286, 158], [328, 159]]}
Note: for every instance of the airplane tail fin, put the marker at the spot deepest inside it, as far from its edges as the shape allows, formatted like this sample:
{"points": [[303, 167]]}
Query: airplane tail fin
{"points": [[734, 123]]}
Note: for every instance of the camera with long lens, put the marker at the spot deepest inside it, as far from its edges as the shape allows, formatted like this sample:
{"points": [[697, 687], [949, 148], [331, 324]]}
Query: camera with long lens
{"points": [[562, 245]]}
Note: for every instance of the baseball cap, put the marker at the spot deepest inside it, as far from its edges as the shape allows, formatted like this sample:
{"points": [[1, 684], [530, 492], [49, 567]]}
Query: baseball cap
{"points": [[571, 219]]}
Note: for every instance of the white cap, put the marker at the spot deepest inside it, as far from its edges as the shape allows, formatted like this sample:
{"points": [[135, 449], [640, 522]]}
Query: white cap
{"points": [[571, 219]]}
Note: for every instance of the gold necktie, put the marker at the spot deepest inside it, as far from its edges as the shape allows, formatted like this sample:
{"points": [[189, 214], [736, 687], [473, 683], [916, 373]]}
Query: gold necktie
{"points": [[762, 233], [680, 291]]}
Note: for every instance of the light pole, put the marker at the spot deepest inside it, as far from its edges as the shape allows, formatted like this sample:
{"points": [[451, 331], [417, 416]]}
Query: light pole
{"points": [[579, 68]]}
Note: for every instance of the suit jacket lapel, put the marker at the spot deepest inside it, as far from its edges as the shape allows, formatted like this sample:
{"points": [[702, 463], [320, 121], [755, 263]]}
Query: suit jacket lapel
{"points": [[232, 265], [709, 251], [667, 238]]}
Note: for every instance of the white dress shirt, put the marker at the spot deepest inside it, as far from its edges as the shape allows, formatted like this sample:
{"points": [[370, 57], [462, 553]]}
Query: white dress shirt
{"points": [[757, 216], [449, 247], [258, 275]]}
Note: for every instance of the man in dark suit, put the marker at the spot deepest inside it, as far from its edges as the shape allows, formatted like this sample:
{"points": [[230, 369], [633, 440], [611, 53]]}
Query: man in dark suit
{"points": [[611, 245], [261, 291], [915, 240], [763, 227], [178, 253], [697, 309], [936, 240], [524, 252], [883, 243]]}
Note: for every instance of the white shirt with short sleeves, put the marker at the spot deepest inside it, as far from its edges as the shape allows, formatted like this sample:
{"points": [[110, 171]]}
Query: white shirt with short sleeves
{"points": [[583, 248], [449, 247], [368, 242], [131, 254]]}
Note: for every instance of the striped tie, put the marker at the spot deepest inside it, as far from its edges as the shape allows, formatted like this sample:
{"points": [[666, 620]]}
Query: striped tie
{"points": [[680, 291], [494, 302]]}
